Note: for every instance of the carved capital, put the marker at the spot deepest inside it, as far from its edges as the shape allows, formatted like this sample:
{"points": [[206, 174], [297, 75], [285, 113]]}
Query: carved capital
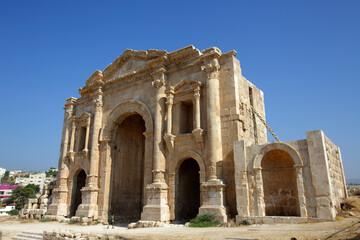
{"points": [[69, 114], [98, 104], [197, 92], [169, 99], [158, 82], [211, 68]]}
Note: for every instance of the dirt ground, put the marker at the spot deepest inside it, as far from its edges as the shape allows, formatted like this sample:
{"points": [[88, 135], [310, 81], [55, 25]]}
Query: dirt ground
{"points": [[345, 226]]}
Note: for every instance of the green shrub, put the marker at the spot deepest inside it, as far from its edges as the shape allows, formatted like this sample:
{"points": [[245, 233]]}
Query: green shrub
{"points": [[204, 220], [45, 219], [13, 212]]}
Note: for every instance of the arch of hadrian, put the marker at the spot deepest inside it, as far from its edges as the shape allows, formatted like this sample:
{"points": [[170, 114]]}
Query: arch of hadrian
{"points": [[165, 136]]}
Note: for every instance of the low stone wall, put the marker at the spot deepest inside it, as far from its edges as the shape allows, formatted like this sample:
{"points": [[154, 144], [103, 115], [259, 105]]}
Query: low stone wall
{"points": [[249, 220], [66, 235], [145, 224]]}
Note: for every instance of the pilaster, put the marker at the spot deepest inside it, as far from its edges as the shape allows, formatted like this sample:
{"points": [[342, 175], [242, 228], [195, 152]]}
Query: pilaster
{"points": [[89, 204], [59, 205]]}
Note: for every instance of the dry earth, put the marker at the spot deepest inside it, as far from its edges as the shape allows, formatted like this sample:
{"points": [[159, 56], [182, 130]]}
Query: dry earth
{"points": [[344, 227]]}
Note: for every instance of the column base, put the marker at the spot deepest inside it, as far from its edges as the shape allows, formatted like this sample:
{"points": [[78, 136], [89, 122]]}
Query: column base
{"points": [[156, 208], [59, 205], [213, 200], [88, 207]]}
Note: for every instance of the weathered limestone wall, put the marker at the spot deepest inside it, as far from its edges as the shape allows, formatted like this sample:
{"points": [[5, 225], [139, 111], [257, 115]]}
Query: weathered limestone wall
{"points": [[337, 177]]}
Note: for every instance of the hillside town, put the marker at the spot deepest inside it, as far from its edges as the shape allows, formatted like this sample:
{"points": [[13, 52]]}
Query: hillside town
{"points": [[31, 184]]}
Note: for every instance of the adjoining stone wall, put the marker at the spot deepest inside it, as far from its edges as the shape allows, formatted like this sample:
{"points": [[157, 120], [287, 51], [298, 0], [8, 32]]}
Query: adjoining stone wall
{"points": [[338, 185]]}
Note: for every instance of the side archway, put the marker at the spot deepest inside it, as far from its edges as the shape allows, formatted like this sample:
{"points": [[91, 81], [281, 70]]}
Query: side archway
{"points": [[191, 167], [278, 175]]}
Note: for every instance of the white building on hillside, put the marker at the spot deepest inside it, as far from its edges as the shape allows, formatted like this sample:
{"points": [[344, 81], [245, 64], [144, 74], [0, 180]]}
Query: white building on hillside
{"points": [[4, 211], [2, 172], [39, 179], [12, 173]]}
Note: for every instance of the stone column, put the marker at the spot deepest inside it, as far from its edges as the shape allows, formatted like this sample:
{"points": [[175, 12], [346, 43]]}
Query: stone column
{"points": [[89, 204], [211, 70], [159, 159], [169, 103], [72, 139], [86, 148], [169, 138], [157, 208], [59, 205], [197, 107], [213, 190], [197, 131], [301, 191]]}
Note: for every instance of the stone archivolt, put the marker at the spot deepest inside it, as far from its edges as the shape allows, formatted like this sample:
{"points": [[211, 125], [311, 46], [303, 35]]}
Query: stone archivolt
{"points": [[151, 118]]}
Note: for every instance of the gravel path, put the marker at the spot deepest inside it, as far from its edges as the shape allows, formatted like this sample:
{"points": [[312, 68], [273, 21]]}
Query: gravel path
{"points": [[321, 230]]}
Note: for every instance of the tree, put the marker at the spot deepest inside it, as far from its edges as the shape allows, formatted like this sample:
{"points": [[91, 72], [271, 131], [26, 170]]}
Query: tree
{"points": [[52, 172], [6, 176], [21, 195], [33, 186]]}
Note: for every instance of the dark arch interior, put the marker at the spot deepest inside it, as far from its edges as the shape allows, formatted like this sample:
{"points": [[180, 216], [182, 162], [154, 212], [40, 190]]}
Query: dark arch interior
{"points": [[78, 184], [127, 175], [280, 186], [187, 191]]}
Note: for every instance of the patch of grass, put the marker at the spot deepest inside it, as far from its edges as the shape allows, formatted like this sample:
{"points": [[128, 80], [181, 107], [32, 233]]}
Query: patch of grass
{"points": [[204, 220], [72, 222], [45, 219]]}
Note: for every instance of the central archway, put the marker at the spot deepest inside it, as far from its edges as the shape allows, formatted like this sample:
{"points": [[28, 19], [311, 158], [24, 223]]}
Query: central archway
{"points": [[187, 201], [127, 174]]}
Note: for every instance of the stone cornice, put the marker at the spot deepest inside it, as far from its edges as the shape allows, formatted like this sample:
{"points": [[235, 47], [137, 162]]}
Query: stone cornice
{"points": [[172, 62]]}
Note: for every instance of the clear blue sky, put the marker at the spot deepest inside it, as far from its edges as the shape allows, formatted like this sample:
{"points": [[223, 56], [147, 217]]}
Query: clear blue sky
{"points": [[304, 55]]}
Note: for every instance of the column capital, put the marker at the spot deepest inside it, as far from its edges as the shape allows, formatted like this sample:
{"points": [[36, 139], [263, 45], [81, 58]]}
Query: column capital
{"points": [[98, 104], [211, 68]]}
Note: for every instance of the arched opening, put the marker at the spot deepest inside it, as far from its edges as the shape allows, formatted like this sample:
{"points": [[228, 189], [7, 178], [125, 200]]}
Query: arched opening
{"points": [[187, 202], [279, 182], [78, 183], [127, 174]]}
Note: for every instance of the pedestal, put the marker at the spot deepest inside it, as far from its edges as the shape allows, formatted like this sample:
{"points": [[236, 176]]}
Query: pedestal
{"points": [[59, 205], [213, 199], [88, 207], [156, 208]]}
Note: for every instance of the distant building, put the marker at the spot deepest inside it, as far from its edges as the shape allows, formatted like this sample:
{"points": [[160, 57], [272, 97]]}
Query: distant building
{"points": [[2, 172], [6, 190], [14, 172], [39, 179], [4, 211]]}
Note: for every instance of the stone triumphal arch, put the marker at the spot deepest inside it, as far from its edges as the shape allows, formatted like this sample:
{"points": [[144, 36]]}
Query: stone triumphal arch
{"points": [[164, 136]]}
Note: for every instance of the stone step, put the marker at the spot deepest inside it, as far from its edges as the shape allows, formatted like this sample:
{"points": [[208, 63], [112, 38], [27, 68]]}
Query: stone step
{"points": [[28, 236]]}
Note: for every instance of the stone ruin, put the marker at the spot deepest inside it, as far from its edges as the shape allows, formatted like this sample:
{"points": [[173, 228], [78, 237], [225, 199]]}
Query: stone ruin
{"points": [[164, 136], [36, 208]]}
